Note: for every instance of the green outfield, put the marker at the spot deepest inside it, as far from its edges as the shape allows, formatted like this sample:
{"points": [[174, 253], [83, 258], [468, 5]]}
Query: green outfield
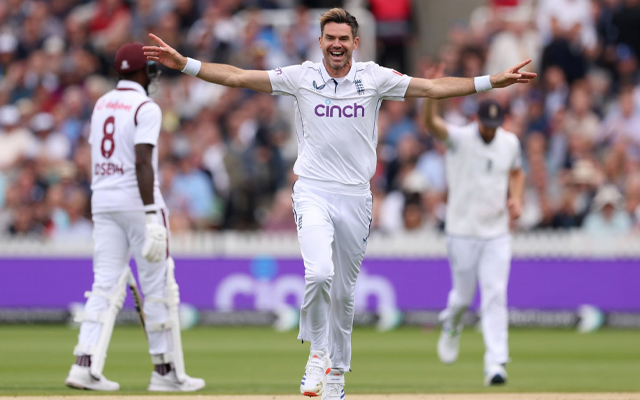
{"points": [[34, 360]]}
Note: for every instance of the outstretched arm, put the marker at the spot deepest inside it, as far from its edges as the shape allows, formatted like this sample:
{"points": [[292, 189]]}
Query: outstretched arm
{"points": [[221, 74], [451, 87]]}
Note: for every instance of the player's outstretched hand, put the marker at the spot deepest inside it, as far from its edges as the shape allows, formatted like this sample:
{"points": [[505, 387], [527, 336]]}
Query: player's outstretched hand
{"points": [[515, 208], [512, 75], [164, 54], [155, 244]]}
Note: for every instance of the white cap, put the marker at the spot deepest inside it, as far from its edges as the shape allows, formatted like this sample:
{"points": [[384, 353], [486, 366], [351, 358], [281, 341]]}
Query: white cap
{"points": [[415, 182], [9, 115], [8, 43], [607, 194], [42, 122], [584, 172], [53, 45]]}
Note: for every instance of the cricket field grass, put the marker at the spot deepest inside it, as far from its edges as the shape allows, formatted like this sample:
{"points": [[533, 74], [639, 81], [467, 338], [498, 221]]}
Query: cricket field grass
{"points": [[35, 359]]}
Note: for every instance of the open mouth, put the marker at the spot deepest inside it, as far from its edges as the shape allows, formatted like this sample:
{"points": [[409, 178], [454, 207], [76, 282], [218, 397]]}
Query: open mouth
{"points": [[337, 55]]}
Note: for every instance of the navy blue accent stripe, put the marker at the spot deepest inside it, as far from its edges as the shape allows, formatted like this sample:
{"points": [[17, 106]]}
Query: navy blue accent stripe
{"points": [[375, 121], [320, 72], [301, 124]]}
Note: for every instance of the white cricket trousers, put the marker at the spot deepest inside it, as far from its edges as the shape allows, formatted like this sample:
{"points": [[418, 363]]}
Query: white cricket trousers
{"points": [[488, 262], [116, 235], [333, 229]]}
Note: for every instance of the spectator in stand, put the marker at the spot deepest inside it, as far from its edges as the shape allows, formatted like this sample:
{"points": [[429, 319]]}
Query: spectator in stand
{"points": [[15, 141], [607, 217], [517, 41], [393, 27], [632, 194], [195, 187], [627, 23], [50, 146], [402, 209], [566, 217], [556, 89], [224, 154], [568, 34], [77, 226], [584, 181], [400, 124], [431, 166], [8, 47], [623, 124], [279, 218], [580, 119]]}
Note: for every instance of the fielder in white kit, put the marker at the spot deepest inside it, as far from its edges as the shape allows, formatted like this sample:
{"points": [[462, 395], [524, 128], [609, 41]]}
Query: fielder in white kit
{"points": [[129, 215], [485, 187], [336, 104]]}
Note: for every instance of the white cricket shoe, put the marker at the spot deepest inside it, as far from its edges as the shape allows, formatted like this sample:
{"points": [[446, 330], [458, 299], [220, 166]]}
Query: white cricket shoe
{"points": [[494, 374], [449, 346], [315, 373], [170, 383], [334, 386], [81, 378]]}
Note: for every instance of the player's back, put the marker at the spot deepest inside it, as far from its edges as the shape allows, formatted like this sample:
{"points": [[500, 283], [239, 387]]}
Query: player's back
{"points": [[121, 119]]}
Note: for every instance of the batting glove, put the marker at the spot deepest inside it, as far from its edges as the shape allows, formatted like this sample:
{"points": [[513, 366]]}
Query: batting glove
{"points": [[155, 245]]}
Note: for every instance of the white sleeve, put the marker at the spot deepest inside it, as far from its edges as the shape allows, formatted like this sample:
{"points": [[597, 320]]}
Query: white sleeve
{"points": [[286, 80], [517, 159], [392, 85], [454, 135], [148, 120]]}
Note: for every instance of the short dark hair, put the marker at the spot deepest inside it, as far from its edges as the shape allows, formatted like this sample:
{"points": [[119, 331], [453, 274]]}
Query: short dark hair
{"points": [[339, 16]]}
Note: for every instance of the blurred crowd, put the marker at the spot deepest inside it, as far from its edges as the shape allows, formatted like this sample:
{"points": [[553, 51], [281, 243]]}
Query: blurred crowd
{"points": [[578, 123], [225, 155]]}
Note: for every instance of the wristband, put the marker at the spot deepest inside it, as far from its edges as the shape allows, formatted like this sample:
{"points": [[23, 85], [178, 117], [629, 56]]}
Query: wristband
{"points": [[192, 67], [482, 83]]}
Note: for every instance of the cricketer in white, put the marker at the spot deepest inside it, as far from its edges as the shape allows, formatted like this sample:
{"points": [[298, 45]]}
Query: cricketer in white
{"points": [[129, 215], [337, 102], [485, 187]]}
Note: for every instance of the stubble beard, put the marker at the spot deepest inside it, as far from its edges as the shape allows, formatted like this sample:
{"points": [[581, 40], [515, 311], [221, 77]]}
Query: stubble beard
{"points": [[347, 61]]}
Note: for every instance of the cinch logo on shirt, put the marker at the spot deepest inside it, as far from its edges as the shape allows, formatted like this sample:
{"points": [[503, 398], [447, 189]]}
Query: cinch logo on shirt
{"points": [[327, 110]]}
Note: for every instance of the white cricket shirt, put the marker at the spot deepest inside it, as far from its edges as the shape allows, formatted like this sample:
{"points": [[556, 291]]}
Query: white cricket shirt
{"points": [[336, 120], [122, 118], [478, 181]]}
